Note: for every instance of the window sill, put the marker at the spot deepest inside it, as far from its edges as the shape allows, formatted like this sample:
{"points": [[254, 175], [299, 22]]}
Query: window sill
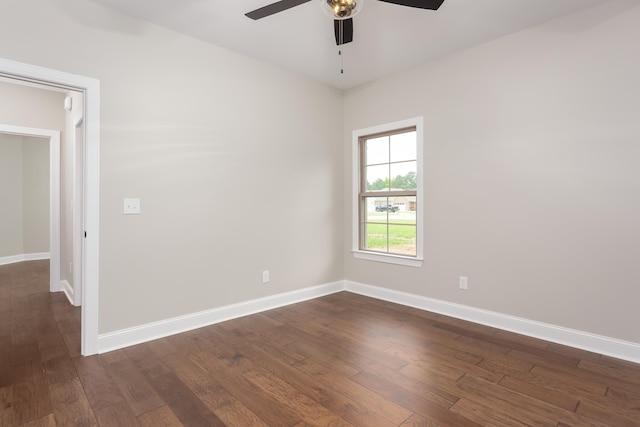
{"points": [[389, 259]]}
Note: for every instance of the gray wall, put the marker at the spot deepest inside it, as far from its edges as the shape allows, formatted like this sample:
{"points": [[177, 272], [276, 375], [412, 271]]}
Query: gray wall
{"points": [[24, 191], [11, 239], [532, 184]]}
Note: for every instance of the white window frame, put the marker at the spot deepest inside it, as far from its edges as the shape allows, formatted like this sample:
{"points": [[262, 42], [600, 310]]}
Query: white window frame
{"points": [[412, 261]]}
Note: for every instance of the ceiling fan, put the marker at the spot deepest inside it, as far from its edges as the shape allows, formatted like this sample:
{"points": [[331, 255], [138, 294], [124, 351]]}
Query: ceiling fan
{"points": [[342, 12]]}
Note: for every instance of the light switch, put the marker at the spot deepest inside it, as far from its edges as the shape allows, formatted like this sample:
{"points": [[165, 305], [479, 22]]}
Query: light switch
{"points": [[131, 206]]}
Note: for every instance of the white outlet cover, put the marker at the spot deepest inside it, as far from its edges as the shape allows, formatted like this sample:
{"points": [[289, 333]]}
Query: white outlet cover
{"points": [[131, 206]]}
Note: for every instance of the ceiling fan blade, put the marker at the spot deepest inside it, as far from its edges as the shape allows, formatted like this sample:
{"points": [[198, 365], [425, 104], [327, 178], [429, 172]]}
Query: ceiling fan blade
{"points": [[343, 30], [276, 7], [420, 4]]}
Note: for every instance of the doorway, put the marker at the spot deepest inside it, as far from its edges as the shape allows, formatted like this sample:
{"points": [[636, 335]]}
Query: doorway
{"points": [[21, 72], [53, 138]]}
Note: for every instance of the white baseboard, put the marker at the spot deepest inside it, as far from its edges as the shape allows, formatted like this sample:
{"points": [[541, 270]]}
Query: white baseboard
{"points": [[66, 287], [23, 257], [583, 340], [151, 331]]}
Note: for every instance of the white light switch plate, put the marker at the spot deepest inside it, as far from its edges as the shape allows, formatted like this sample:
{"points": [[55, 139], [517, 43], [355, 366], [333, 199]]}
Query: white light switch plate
{"points": [[131, 206]]}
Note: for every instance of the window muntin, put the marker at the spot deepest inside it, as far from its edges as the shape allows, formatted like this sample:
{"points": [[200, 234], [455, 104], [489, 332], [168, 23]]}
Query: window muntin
{"points": [[387, 193]]}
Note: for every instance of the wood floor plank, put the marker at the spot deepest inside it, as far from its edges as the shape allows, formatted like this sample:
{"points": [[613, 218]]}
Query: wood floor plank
{"points": [[541, 392], [6, 360], [161, 417], [59, 370], [161, 347], [623, 398], [186, 340], [98, 385], [135, 388], [23, 353], [70, 404], [503, 402], [418, 421], [486, 415], [618, 371], [453, 352], [31, 400], [309, 411], [452, 368], [237, 414], [46, 421], [151, 367], [116, 415], [374, 403], [73, 342], [577, 383], [305, 347], [505, 366], [199, 380], [252, 396], [113, 356], [24, 371], [334, 395], [6, 406], [417, 404], [525, 408], [607, 417], [190, 410]]}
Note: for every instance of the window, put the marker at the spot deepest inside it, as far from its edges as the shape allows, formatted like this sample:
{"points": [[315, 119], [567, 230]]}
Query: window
{"points": [[387, 164]]}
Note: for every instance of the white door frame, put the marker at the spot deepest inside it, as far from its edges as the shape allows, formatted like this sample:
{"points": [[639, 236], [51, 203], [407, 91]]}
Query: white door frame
{"points": [[91, 180], [54, 195]]}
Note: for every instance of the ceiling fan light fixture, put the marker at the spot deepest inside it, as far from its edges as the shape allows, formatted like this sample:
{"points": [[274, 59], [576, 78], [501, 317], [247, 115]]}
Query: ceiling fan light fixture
{"points": [[342, 9]]}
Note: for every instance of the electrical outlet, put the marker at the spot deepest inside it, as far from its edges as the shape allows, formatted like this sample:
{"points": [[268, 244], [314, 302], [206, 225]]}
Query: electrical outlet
{"points": [[265, 276], [131, 207], [463, 283]]}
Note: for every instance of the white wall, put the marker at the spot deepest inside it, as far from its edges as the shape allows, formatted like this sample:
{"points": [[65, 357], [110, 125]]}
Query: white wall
{"points": [[24, 191], [238, 164], [532, 185]]}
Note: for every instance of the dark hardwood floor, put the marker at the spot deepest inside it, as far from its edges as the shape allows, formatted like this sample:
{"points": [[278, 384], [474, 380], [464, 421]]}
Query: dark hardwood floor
{"points": [[339, 360]]}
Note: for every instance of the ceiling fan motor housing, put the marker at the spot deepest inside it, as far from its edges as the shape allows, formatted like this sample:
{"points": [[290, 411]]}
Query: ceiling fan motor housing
{"points": [[343, 9]]}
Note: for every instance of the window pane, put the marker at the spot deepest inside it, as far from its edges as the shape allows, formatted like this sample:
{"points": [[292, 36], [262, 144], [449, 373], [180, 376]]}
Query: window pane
{"points": [[403, 147], [376, 209], [402, 239], [377, 150], [377, 177], [375, 237], [403, 176], [403, 210]]}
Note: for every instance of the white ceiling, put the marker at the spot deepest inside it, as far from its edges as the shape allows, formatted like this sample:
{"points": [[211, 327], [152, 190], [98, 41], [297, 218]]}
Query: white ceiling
{"points": [[387, 37]]}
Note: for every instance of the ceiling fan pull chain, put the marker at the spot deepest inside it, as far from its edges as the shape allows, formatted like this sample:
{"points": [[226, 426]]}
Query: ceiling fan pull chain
{"points": [[341, 31]]}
